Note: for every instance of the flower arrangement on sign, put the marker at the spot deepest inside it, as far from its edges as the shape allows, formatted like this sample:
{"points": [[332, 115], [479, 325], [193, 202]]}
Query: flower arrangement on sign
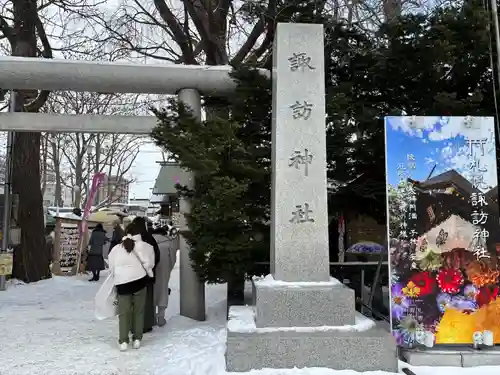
{"points": [[451, 295], [444, 266]]}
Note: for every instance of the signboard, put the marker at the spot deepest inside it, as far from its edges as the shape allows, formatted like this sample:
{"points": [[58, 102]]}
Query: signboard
{"points": [[69, 240], [5, 264], [443, 226]]}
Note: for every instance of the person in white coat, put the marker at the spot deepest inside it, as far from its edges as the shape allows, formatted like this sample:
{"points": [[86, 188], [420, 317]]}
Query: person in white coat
{"points": [[168, 257], [131, 263]]}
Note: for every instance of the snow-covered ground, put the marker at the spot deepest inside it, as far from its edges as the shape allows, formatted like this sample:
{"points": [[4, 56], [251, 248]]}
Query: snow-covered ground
{"points": [[48, 328]]}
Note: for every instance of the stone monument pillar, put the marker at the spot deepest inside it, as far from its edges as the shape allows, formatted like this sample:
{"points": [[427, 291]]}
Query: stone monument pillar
{"points": [[299, 219], [302, 317]]}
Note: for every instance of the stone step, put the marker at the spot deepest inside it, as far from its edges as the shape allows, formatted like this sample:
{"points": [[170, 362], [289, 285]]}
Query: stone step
{"points": [[306, 304], [452, 357], [360, 347]]}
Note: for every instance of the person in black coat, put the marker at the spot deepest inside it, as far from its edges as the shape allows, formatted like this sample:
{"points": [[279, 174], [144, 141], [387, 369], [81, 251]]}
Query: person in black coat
{"points": [[149, 311], [95, 259], [118, 234]]}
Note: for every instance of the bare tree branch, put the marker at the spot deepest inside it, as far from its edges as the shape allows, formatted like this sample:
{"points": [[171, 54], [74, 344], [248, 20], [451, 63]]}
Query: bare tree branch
{"points": [[78, 162], [180, 37], [6, 29]]}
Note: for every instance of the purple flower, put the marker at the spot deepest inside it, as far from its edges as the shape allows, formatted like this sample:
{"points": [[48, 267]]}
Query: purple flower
{"points": [[399, 302], [443, 301], [399, 337], [470, 292], [463, 304]]}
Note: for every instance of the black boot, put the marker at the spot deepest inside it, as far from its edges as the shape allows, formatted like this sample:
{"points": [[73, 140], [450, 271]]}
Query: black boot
{"points": [[97, 275], [94, 276]]}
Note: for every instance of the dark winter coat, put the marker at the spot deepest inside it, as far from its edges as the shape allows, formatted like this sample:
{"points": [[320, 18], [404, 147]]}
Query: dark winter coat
{"points": [[95, 260], [149, 308], [116, 238], [148, 237]]}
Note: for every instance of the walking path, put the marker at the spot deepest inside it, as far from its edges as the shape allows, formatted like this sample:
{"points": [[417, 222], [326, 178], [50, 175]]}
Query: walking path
{"points": [[49, 328]]}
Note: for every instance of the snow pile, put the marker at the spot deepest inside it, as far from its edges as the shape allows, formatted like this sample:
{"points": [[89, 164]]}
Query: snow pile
{"points": [[65, 215], [242, 319], [49, 328], [269, 281]]}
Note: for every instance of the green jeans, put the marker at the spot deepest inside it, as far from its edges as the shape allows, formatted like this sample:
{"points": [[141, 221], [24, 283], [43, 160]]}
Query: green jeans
{"points": [[131, 315]]}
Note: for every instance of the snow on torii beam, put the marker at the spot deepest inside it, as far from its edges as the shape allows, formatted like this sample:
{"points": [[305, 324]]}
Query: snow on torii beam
{"points": [[50, 122], [25, 73]]}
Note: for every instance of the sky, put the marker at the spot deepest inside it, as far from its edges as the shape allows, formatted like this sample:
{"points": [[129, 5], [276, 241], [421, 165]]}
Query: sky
{"points": [[144, 171], [441, 141]]}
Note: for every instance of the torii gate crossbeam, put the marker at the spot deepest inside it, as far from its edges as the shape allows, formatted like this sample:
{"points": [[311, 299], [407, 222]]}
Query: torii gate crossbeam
{"points": [[25, 73]]}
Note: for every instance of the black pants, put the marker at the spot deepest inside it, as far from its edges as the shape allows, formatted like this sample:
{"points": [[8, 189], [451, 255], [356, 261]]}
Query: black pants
{"points": [[149, 309], [96, 274]]}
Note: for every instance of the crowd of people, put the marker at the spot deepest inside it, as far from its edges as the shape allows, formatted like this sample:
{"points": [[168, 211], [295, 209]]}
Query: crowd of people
{"points": [[140, 272]]}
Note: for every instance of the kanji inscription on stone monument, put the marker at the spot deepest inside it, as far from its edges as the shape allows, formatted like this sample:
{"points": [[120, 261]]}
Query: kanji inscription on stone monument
{"points": [[302, 214], [301, 110], [299, 223], [300, 158], [300, 61]]}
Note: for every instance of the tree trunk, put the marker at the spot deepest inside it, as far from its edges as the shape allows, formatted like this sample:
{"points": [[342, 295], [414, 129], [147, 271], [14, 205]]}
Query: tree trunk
{"points": [[78, 182], [31, 262], [58, 192], [56, 161], [392, 9], [78, 198], [45, 145], [109, 192], [235, 291]]}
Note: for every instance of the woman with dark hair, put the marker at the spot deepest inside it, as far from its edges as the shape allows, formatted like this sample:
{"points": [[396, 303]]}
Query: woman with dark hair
{"points": [[117, 235], [131, 263], [149, 314], [95, 259]]}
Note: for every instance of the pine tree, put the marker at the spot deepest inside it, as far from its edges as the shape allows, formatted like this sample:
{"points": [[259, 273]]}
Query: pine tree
{"points": [[435, 64], [416, 64], [231, 161]]}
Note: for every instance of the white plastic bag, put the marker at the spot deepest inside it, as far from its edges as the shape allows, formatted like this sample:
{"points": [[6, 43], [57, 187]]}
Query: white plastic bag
{"points": [[106, 305]]}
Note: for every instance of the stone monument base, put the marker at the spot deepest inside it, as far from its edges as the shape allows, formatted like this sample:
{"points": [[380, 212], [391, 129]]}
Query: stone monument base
{"points": [[302, 304], [361, 347], [452, 357]]}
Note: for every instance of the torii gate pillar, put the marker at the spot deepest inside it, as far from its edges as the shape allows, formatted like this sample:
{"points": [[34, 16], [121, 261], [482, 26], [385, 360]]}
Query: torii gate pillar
{"points": [[192, 289]]}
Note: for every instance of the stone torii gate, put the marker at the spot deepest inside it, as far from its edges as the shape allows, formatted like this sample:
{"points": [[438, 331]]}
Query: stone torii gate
{"points": [[188, 82], [301, 317]]}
